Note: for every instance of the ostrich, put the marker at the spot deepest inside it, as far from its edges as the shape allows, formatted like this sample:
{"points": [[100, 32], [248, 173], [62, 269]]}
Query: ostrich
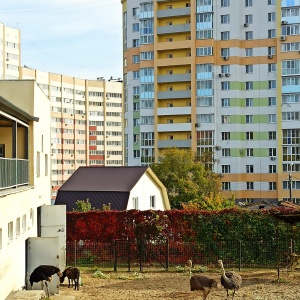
{"points": [[230, 280], [200, 282], [44, 273]]}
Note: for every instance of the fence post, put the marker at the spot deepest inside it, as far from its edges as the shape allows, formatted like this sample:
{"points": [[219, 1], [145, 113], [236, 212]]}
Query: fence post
{"points": [[167, 254], [75, 253], [128, 252], [115, 255], [240, 256]]}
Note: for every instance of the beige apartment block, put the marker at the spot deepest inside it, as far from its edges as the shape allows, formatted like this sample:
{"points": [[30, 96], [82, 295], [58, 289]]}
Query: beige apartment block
{"points": [[10, 58], [86, 122]]}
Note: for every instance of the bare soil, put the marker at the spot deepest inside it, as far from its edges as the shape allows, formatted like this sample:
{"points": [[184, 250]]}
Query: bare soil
{"points": [[256, 285]]}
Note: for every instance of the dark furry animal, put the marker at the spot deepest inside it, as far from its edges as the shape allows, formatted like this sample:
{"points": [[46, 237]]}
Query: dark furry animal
{"points": [[44, 273], [201, 283], [73, 274], [230, 280]]}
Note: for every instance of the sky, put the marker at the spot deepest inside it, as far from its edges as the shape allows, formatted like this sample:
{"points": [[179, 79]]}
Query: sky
{"points": [[78, 38]]}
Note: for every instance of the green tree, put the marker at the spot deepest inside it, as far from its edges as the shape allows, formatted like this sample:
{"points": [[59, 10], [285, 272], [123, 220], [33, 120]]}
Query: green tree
{"points": [[83, 206], [190, 184]]}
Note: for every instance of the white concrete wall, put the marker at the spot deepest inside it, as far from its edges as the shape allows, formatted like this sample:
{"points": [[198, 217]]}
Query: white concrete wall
{"points": [[145, 188], [22, 203]]}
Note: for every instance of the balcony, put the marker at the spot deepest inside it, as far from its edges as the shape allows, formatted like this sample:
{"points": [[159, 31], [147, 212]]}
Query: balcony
{"points": [[173, 29], [174, 12], [174, 78], [175, 143], [174, 111], [13, 172], [174, 127], [174, 94]]}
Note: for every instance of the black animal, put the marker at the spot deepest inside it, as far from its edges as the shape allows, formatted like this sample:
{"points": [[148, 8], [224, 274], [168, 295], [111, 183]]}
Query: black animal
{"points": [[201, 283], [230, 280], [44, 273], [73, 274]]}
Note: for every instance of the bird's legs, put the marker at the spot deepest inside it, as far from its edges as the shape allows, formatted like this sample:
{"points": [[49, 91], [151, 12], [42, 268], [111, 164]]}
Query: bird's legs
{"points": [[206, 294], [47, 288], [233, 294]]}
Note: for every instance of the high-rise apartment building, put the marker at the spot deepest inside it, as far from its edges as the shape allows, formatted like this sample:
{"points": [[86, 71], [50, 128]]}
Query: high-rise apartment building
{"points": [[10, 59], [86, 122], [221, 77]]}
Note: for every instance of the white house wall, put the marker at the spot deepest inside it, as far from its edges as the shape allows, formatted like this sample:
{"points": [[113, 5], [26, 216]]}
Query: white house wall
{"points": [[145, 188]]}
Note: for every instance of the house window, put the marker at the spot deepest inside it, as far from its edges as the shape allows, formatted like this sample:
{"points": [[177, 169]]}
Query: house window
{"points": [[272, 135], [272, 186], [38, 164], [135, 59], [18, 226], [10, 231], [225, 85], [225, 169], [225, 119], [225, 136], [272, 84], [271, 50], [135, 27], [226, 152], [271, 68], [249, 119], [225, 102], [249, 19], [249, 35], [136, 153], [248, 3], [271, 17], [152, 201], [272, 101], [249, 135], [224, 19], [272, 118], [271, 33], [225, 3], [225, 52], [135, 43], [248, 85], [225, 35], [135, 202], [249, 52], [249, 69], [135, 11], [272, 151]]}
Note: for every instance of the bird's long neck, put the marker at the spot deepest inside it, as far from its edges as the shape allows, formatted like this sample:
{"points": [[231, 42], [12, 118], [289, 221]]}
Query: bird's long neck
{"points": [[190, 269], [224, 274]]}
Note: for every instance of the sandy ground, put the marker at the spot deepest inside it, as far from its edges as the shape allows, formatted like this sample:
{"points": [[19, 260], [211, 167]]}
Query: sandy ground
{"points": [[257, 285]]}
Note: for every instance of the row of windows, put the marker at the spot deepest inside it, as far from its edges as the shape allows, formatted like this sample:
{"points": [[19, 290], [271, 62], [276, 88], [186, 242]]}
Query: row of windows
{"points": [[248, 85], [226, 186]]}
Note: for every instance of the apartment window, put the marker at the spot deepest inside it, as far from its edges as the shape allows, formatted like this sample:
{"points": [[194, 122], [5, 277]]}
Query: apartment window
{"points": [[168, 55], [18, 226], [225, 85], [272, 151], [136, 106], [169, 23], [46, 165], [225, 3], [24, 223], [169, 39], [225, 52], [249, 169], [249, 69], [249, 52], [225, 102], [2, 152], [136, 138], [135, 11], [135, 27], [271, 2], [249, 152], [249, 19], [248, 85], [224, 19], [272, 169], [135, 59], [225, 169], [271, 17], [225, 35], [135, 43], [225, 136], [250, 185], [249, 35], [170, 137], [135, 202], [170, 121], [248, 3], [249, 135], [272, 135], [248, 102], [204, 51], [271, 68], [170, 88], [136, 74], [271, 50], [225, 119], [226, 152], [272, 118], [249, 119], [271, 33], [272, 84], [136, 122], [169, 6], [225, 69], [272, 101], [152, 201], [272, 186], [136, 153], [226, 186]]}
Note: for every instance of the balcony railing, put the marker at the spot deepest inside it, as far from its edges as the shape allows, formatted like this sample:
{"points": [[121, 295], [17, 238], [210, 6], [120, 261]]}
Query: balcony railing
{"points": [[13, 172]]}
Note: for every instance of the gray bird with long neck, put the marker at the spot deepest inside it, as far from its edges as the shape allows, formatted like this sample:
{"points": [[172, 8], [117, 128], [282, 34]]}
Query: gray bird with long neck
{"points": [[230, 280]]}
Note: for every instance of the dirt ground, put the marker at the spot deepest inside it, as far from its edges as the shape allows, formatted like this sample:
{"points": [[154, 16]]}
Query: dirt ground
{"points": [[256, 285]]}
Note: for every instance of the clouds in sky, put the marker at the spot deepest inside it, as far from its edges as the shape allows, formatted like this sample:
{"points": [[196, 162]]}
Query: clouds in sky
{"points": [[80, 38]]}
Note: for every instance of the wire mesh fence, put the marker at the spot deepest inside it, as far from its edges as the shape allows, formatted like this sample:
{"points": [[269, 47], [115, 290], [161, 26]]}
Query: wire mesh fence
{"points": [[163, 254]]}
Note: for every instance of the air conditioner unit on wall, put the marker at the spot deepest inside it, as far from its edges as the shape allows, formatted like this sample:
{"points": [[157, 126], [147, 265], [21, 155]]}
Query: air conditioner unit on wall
{"points": [[227, 74], [270, 56], [197, 124], [246, 24], [218, 147], [272, 157], [283, 38], [220, 75], [225, 57], [284, 22]]}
